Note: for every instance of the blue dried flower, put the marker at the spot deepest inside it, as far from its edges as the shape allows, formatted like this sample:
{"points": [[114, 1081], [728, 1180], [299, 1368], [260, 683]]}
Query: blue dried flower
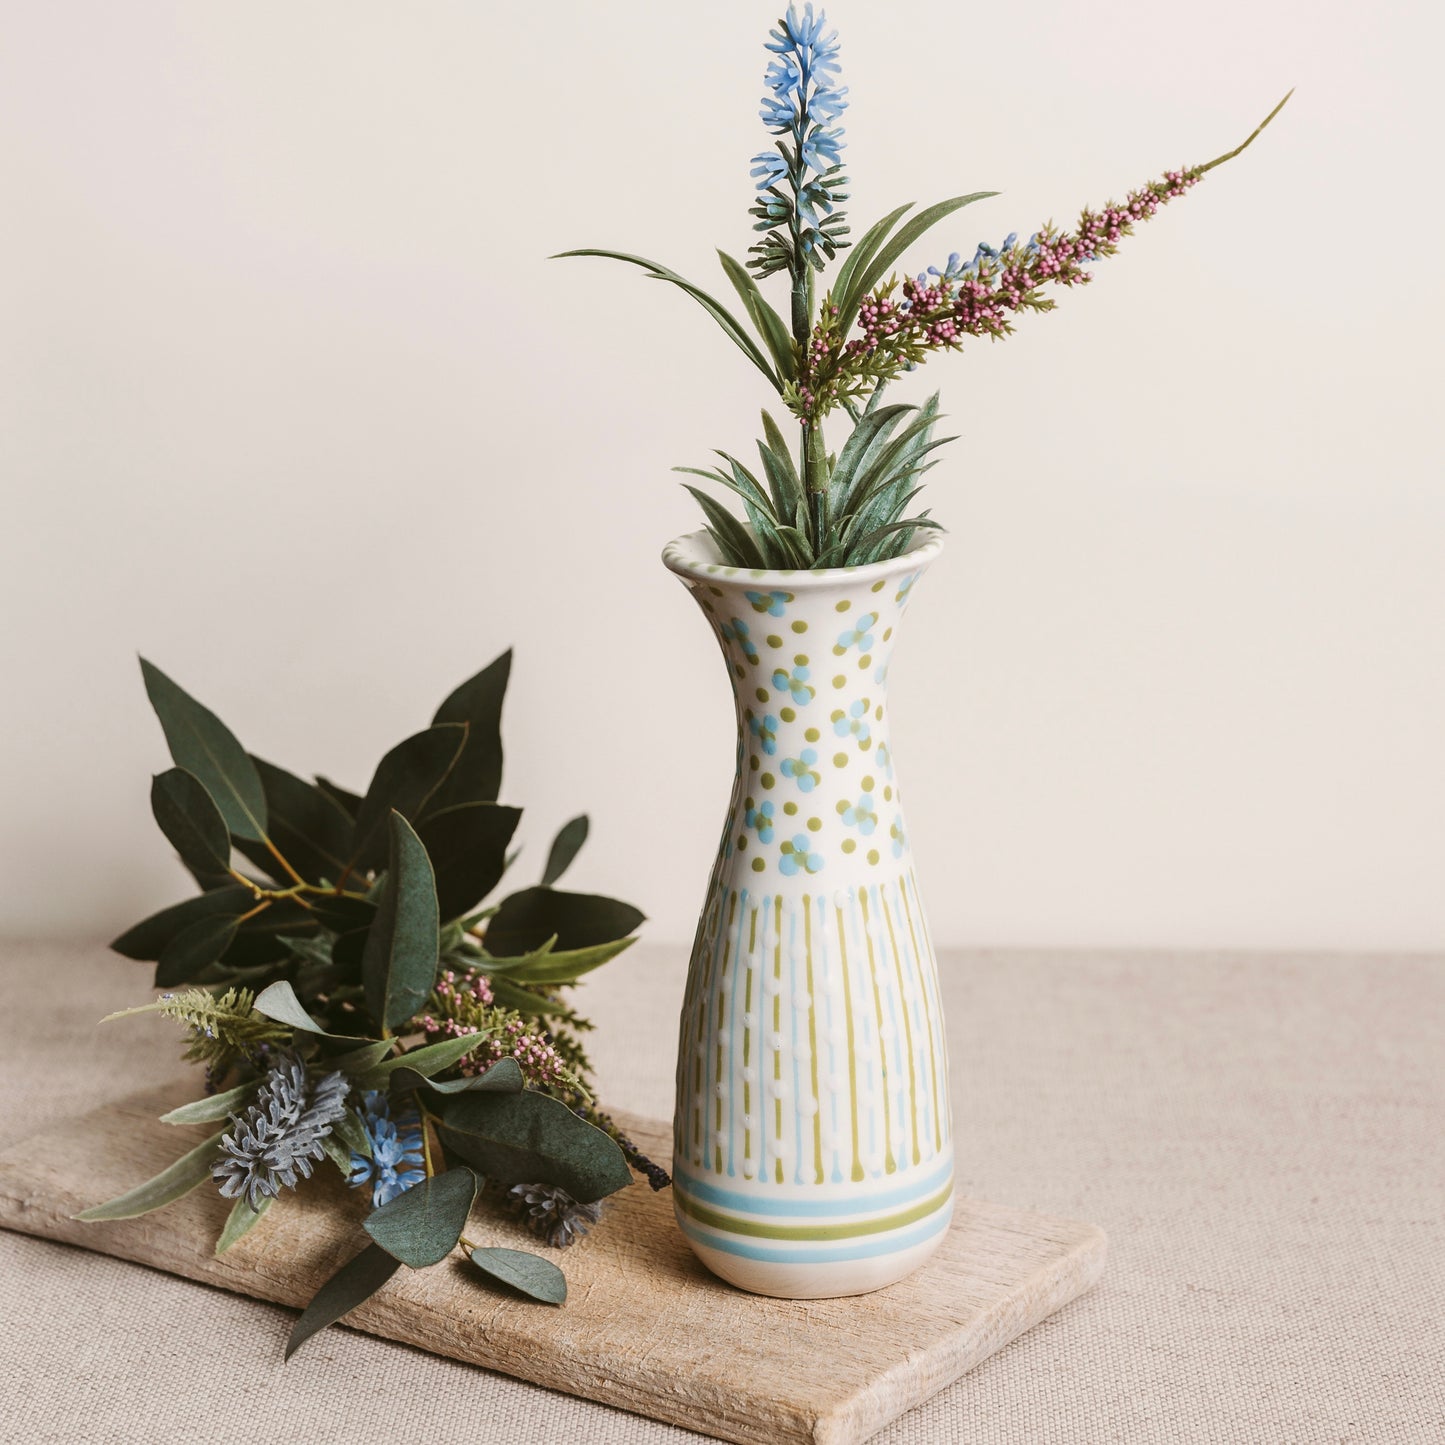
{"points": [[397, 1161], [274, 1142]]}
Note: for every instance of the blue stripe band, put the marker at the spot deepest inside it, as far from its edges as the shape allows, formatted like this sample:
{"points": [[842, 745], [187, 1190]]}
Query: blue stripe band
{"points": [[825, 1254], [918, 1187]]}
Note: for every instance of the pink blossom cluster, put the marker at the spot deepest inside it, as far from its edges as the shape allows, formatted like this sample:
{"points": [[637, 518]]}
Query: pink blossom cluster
{"points": [[936, 311], [465, 1003]]}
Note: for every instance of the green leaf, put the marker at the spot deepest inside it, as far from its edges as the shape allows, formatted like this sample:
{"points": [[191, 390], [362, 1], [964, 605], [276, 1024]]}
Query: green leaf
{"points": [[527, 919], [362, 1061], [529, 1274], [344, 915], [530, 1137], [338, 1153], [344, 798], [477, 776], [422, 1225], [863, 253], [545, 967], [309, 826], [241, 1220], [169, 1185], [737, 547], [467, 845], [217, 1106], [565, 847], [731, 326], [428, 1060], [404, 781], [203, 745], [399, 965], [526, 1002], [355, 1282], [505, 1077], [278, 1001], [188, 816], [866, 277], [771, 327], [147, 939], [195, 948], [352, 1134]]}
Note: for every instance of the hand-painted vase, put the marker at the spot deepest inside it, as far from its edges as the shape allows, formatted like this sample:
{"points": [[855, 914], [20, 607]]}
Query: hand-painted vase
{"points": [[812, 1144]]}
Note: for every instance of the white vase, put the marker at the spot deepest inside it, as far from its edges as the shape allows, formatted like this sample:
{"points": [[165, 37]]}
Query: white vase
{"points": [[812, 1142]]}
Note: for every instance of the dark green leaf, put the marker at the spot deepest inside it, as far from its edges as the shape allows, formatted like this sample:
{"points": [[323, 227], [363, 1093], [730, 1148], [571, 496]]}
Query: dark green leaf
{"points": [[195, 948], [404, 781], [477, 776], [737, 547], [202, 744], [771, 327], [530, 1137], [421, 1226], [147, 939], [338, 1153], [505, 1077], [356, 1281], [565, 847], [399, 964], [529, 1274], [344, 915], [526, 920], [217, 1106], [719, 313], [191, 821], [361, 1061], [309, 827], [241, 1220], [352, 1135], [467, 845], [169, 1185], [863, 253], [344, 798]]}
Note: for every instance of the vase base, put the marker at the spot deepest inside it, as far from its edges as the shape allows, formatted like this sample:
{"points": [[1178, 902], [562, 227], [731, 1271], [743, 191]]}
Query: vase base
{"points": [[818, 1279]]}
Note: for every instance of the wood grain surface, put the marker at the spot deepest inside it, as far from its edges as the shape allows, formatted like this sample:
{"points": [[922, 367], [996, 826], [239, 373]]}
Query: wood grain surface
{"points": [[644, 1328]]}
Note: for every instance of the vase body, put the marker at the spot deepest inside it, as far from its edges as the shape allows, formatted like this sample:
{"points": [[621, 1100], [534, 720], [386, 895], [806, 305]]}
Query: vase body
{"points": [[812, 1150]]}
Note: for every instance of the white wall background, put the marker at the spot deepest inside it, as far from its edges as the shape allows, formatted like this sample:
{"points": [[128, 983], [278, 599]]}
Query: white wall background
{"points": [[293, 403]]}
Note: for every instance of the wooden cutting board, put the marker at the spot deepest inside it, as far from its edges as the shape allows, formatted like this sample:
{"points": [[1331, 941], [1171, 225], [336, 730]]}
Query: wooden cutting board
{"points": [[645, 1326]]}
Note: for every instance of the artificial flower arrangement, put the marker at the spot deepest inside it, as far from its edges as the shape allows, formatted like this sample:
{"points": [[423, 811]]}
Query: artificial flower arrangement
{"points": [[357, 1002], [849, 508]]}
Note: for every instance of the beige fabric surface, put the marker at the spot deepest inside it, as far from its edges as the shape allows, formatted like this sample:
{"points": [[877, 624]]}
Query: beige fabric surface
{"points": [[1263, 1138]]}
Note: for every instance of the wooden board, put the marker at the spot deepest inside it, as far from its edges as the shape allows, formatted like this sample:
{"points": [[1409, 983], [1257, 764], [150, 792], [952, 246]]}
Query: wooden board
{"points": [[645, 1327]]}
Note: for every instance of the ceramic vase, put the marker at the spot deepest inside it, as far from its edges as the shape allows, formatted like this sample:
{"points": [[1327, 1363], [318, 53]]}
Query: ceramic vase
{"points": [[812, 1141]]}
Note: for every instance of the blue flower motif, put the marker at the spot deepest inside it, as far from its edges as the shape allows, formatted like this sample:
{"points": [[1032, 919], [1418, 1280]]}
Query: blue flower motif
{"points": [[904, 588], [884, 759], [396, 1153], [797, 856], [859, 636], [900, 841], [795, 682], [854, 722], [760, 820], [860, 815], [802, 771], [765, 729], [773, 603], [737, 631]]}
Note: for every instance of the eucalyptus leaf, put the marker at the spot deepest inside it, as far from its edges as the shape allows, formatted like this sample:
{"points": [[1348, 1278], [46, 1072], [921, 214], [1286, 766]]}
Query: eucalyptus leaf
{"points": [[404, 781], [530, 1137], [422, 1225], [195, 948], [308, 825], [203, 745], [360, 1062], [165, 1188], [527, 919], [549, 968], [399, 963], [352, 1135], [467, 845], [565, 847], [241, 1220], [504, 1077], [215, 1106], [344, 798], [279, 1002], [147, 939], [338, 1153], [355, 1282], [528, 1273], [188, 816], [477, 776], [428, 1060]]}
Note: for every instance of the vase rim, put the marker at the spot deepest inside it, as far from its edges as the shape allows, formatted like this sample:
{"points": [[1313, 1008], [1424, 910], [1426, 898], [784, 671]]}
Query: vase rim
{"points": [[695, 554]]}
